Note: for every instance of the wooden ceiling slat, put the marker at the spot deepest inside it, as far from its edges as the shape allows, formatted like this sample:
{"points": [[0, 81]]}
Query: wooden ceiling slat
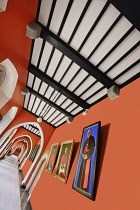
{"points": [[48, 102], [76, 57], [57, 86]]}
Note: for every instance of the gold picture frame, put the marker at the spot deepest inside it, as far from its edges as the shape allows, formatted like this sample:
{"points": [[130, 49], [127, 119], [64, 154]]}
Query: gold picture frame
{"points": [[52, 158], [47, 157], [63, 161]]}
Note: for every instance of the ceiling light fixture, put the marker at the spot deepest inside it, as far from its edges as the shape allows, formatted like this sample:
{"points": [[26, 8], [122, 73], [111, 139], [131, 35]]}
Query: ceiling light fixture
{"points": [[33, 31], [85, 112], [113, 92], [25, 91], [3, 5], [39, 119], [69, 119]]}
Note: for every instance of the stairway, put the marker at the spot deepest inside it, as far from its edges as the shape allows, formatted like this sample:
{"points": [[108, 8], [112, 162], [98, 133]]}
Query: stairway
{"points": [[9, 184]]}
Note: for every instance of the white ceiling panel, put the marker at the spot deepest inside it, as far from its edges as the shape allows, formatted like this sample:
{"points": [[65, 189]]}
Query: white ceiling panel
{"points": [[72, 71], [60, 99], [78, 109], [118, 31], [27, 126], [57, 118], [54, 62], [26, 100], [85, 85], [91, 14], [30, 79], [76, 81], [71, 107], [104, 24], [101, 34], [45, 56], [55, 95], [40, 108], [74, 14], [58, 15], [126, 45], [130, 59], [38, 132], [32, 98], [61, 121], [44, 110], [43, 88], [44, 11], [36, 84], [36, 51], [92, 90], [97, 96], [62, 68], [53, 116], [49, 92], [132, 72], [49, 113], [66, 103], [36, 105]]}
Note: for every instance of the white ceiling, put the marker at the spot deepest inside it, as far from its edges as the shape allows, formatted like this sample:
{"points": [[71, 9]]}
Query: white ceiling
{"points": [[98, 32]]}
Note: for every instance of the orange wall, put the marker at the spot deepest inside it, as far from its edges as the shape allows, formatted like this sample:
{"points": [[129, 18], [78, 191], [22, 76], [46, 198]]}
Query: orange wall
{"points": [[15, 45], [119, 169]]}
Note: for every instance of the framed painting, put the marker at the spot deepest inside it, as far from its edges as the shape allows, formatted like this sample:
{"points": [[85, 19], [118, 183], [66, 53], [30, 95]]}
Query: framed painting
{"points": [[63, 161], [86, 165], [52, 157], [46, 155]]}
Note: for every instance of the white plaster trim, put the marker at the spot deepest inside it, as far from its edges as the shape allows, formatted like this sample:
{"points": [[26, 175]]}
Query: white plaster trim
{"points": [[40, 148]]}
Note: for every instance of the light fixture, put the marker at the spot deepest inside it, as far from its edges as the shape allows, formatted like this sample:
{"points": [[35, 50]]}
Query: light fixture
{"points": [[85, 112], [69, 119], [8, 81], [25, 91], [3, 5], [39, 119], [33, 31], [113, 92]]}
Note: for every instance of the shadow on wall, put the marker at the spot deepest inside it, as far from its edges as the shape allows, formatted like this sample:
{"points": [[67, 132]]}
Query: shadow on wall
{"points": [[75, 149], [100, 155]]}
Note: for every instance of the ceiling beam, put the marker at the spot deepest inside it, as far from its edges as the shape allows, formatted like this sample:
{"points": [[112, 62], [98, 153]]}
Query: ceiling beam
{"points": [[49, 102], [63, 47], [45, 78]]}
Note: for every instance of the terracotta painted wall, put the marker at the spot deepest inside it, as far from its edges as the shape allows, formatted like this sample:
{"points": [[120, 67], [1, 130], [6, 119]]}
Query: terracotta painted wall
{"points": [[15, 45], [119, 168]]}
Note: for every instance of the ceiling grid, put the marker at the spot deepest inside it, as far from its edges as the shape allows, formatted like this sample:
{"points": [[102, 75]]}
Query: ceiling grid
{"points": [[85, 47]]}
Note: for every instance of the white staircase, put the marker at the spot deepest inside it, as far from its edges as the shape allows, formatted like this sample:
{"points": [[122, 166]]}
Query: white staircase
{"points": [[9, 184]]}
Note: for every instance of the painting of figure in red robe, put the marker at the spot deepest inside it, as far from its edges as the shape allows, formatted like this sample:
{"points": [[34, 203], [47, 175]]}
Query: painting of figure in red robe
{"points": [[85, 171], [52, 157], [63, 162]]}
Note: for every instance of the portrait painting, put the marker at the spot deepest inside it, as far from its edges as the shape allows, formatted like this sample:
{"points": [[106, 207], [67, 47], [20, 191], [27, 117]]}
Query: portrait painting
{"points": [[63, 161], [86, 165], [52, 157], [46, 154]]}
